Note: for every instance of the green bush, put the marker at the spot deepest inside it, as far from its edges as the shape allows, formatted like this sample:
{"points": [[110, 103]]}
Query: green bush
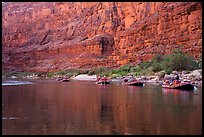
{"points": [[144, 65], [166, 64], [158, 58], [176, 61], [135, 69], [156, 67], [83, 71], [115, 76], [114, 71], [179, 61], [156, 62], [91, 72], [69, 73], [41, 74], [50, 74], [100, 71], [124, 70]]}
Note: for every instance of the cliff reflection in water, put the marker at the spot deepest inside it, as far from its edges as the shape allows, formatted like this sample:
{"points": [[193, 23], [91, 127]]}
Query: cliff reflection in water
{"points": [[86, 108]]}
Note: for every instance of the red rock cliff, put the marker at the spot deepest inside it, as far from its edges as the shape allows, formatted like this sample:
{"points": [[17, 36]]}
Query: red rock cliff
{"points": [[61, 35]]}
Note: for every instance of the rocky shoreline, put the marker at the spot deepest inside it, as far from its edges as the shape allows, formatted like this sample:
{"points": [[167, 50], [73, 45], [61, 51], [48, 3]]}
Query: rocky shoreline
{"points": [[157, 79], [194, 76]]}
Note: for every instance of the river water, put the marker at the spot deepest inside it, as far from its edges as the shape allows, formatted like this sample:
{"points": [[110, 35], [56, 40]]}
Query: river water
{"points": [[45, 107]]}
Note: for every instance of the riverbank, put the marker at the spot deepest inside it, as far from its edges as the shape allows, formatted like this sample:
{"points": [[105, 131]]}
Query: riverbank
{"points": [[154, 72], [155, 79]]}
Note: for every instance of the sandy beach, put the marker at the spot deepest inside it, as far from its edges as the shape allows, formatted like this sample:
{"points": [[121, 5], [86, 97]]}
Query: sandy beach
{"points": [[85, 77]]}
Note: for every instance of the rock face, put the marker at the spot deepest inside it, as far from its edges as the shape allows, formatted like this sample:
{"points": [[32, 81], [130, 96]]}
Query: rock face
{"points": [[51, 36]]}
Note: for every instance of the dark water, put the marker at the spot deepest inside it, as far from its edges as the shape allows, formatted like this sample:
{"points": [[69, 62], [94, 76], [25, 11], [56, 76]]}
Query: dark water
{"points": [[79, 107]]}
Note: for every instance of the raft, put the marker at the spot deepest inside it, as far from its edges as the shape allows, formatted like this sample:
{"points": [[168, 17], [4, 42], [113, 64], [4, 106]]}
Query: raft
{"points": [[65, 80], [181, 85], [133, 83], [103, 82]]}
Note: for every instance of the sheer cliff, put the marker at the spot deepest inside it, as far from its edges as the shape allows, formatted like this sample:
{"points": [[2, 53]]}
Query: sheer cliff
{"points": [[51, 36]]}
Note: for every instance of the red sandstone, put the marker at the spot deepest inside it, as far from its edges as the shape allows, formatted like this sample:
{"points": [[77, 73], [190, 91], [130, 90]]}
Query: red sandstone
{"points": [[60, 35]]}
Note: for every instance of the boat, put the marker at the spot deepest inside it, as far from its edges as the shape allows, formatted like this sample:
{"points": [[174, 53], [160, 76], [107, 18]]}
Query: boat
{"points": [[103, 81], [178, 85], [59, 79], [133, 83], [65, 80]]}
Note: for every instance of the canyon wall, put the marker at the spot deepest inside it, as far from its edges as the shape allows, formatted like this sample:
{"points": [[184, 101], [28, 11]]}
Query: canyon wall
{"points": [[52, 36]]}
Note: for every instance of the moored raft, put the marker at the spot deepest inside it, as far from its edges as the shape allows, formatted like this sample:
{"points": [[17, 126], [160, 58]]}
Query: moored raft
{"points": [[178, 85], [65, 80], [103, 81], [133, 83]]}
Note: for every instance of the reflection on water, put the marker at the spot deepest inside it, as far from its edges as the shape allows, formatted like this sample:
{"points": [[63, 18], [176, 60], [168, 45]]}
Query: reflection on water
{"points": [[12, 82], [79, 107]]}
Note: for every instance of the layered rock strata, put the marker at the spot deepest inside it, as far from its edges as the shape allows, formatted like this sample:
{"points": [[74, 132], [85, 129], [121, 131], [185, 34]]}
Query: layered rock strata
{"points": [[52, 36]]}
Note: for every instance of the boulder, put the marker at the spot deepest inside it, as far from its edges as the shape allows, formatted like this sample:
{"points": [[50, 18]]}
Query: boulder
{"points": [[195, 73]]}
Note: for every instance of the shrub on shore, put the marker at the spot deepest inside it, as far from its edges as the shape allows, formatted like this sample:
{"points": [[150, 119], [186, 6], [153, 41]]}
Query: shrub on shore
{"points": [[124, 70], [178, 61], [100, 71], [156, 62]]}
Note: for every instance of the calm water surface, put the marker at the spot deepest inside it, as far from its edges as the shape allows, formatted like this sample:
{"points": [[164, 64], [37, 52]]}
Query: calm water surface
{"points": [[82, 107]]}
